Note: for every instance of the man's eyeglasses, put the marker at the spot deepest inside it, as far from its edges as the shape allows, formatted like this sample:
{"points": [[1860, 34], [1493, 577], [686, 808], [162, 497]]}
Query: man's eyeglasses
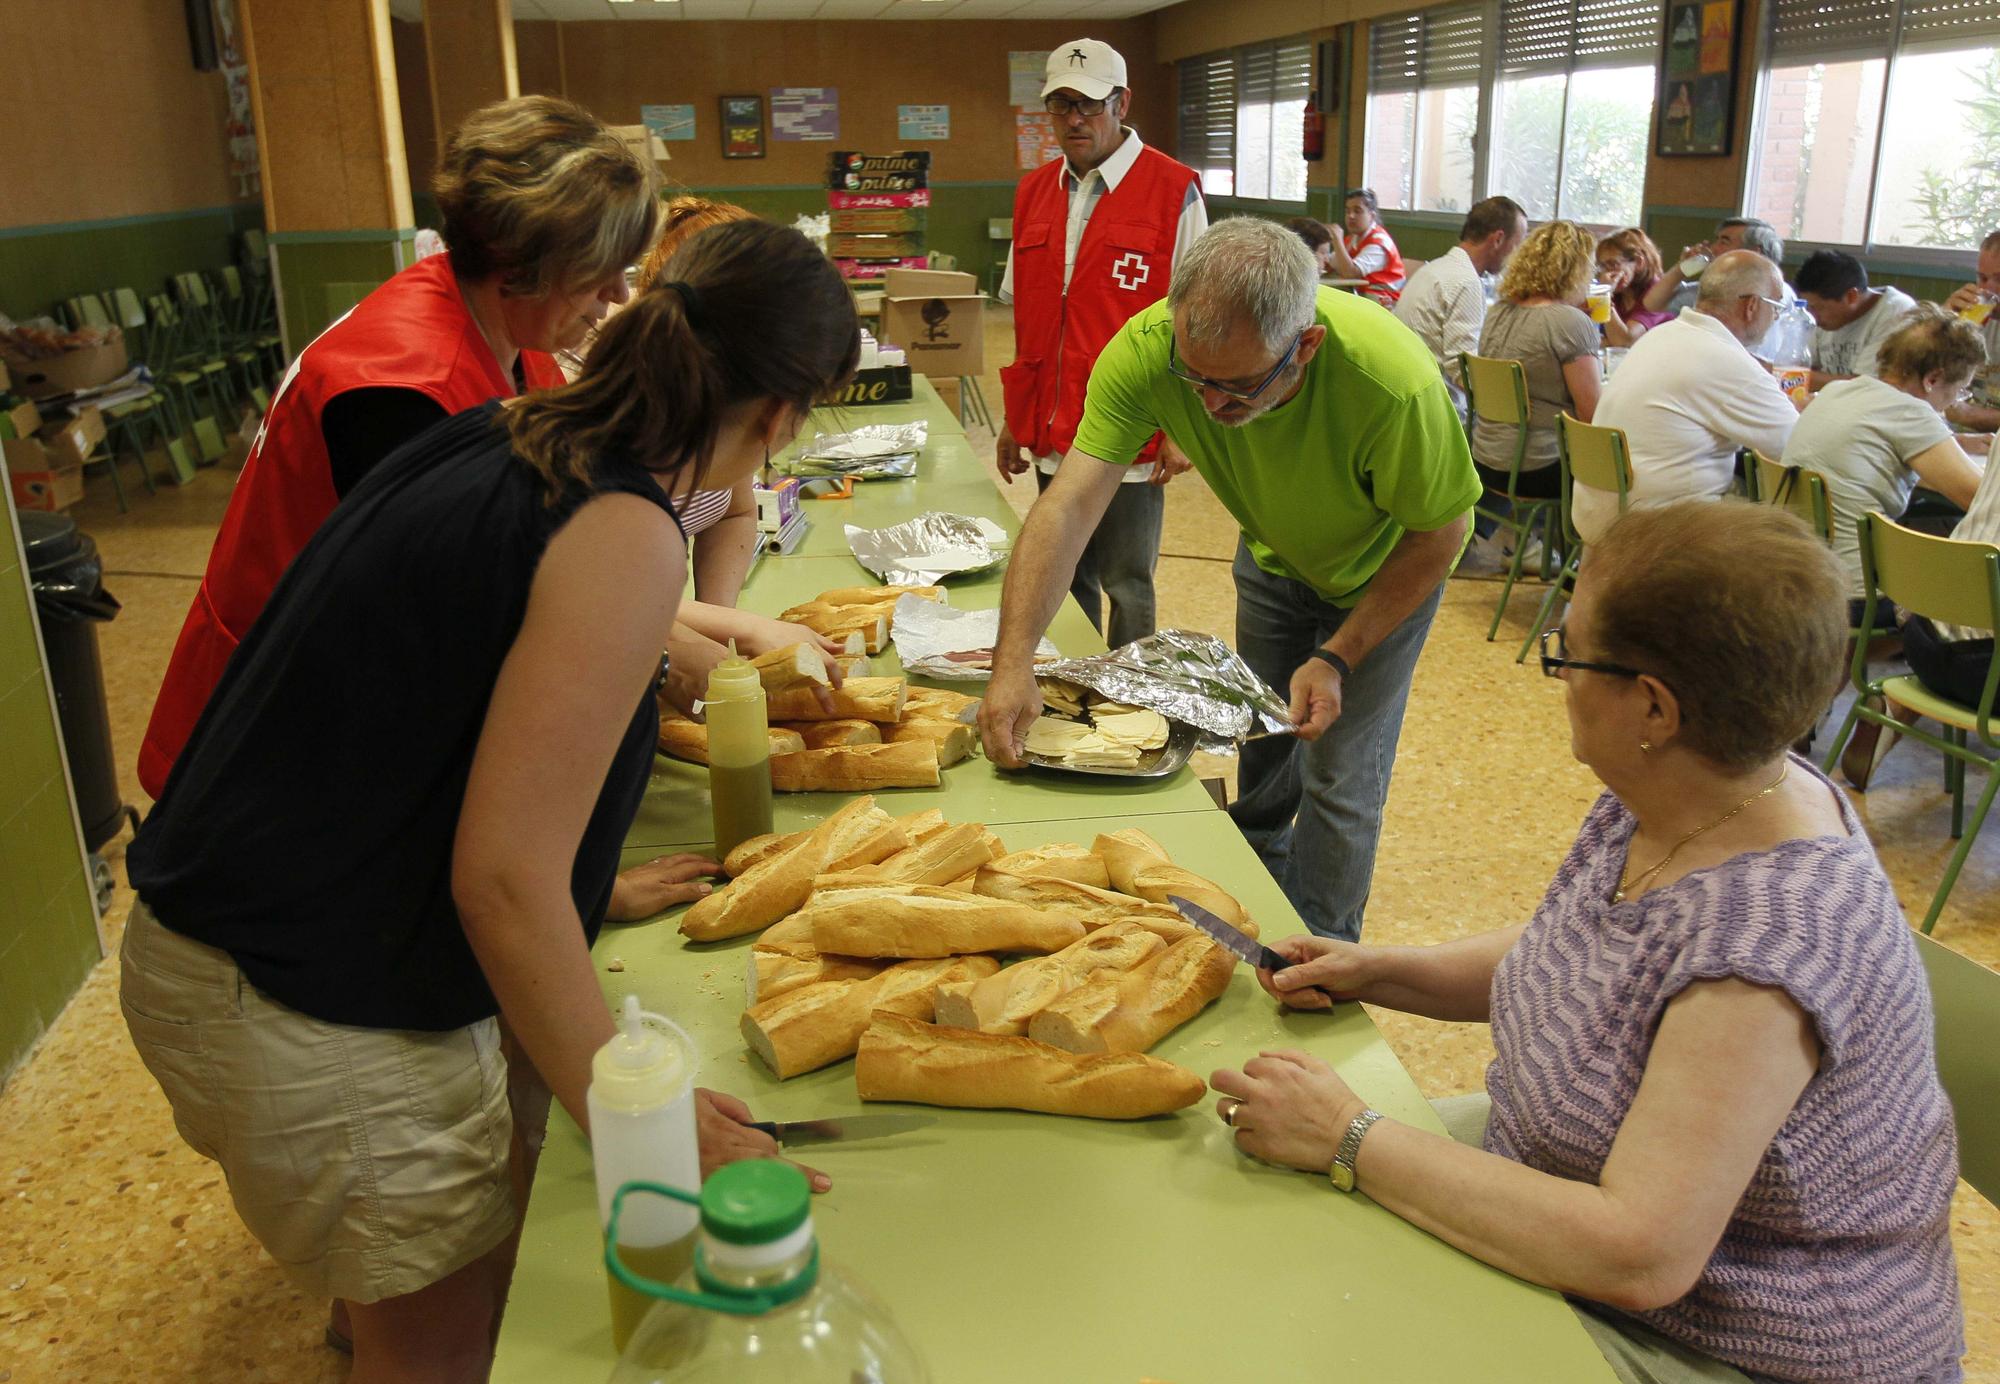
{"points": [[1554, 663], [1236, 392], [1089, 105]]}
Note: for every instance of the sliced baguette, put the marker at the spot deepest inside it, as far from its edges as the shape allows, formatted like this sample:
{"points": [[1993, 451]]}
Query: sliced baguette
{"points": [[739, 861], [937, 704], [777, 885], [795, 665], [952, 740], [1139, 866], [877, 595], [856, 768], [1005, 1002], [905, 1059], [823, 735], [1132, 1010], [858, 699], [1060, 861], [1093, 907], [859, 916], [685, 739], [814, 1025], [773, 973], [938, 859], [870, 622]]}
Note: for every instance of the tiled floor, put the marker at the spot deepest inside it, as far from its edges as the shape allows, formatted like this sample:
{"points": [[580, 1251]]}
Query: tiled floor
{"points": [[120, 1257]]}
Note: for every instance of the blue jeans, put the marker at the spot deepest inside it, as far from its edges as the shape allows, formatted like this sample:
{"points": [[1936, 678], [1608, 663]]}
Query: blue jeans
{"points": [[1313, 812], [1118, 561]]}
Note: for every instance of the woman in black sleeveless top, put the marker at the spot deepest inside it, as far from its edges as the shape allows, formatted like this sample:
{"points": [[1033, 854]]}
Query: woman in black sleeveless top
{"points": [[401, 812]]}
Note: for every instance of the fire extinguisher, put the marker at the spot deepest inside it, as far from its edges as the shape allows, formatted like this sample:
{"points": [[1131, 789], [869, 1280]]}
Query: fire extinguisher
{"points": [[1315, 130]]}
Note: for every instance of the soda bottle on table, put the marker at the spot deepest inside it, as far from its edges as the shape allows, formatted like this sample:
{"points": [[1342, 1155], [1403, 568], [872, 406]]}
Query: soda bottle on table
{"points": [[760, 1306], [1791, 351]]}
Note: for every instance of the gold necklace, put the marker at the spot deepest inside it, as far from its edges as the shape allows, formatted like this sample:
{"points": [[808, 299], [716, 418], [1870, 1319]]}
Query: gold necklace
{"points": [[1626, 885]]}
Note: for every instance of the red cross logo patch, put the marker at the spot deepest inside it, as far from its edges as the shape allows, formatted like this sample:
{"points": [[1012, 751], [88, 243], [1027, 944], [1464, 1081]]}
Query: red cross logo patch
{"points": [[1131, 270]]}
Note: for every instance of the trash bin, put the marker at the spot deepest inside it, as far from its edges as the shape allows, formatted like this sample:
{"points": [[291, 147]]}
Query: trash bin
{"points": [[68, 582]]}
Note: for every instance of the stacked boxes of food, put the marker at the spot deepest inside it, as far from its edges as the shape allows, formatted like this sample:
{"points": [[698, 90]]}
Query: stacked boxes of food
{"points": [[877, 206]]}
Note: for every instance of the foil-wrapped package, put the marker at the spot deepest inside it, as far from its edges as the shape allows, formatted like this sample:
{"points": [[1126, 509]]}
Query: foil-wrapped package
{"points": [[941, 641], [925, 550], [1185, 676], [874, 451]]}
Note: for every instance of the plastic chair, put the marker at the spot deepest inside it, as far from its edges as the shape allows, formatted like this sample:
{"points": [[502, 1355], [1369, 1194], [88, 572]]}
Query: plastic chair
{"points": [[209, 311], [1965, 999], [1498, 390], [1600, 458], [203, 335], [1957, 583], [169, 334], [122, 422], [1793, 488]]}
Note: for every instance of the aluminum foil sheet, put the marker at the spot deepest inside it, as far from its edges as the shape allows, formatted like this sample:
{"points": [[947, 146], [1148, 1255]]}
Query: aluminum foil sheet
{"points": [[925, 550], [941, 641], [874, 451], [1185, 676]]}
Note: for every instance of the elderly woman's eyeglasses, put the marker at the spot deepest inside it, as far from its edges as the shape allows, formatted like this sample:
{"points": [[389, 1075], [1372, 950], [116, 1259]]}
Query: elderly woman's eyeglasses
{"points": [[1062, 105], [1231, 391], [1554, 663]]}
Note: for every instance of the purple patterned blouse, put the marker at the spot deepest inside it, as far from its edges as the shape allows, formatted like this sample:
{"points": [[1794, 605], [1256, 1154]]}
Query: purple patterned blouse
{"points": [[1837, 1263]]}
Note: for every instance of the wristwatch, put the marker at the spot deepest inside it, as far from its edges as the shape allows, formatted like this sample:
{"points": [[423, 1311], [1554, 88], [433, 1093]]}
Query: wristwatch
{"points": [[1342, 1171]]}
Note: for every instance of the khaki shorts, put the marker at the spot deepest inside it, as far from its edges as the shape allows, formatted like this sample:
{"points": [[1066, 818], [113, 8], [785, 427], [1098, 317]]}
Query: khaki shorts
{"points": [[369, 1162]]}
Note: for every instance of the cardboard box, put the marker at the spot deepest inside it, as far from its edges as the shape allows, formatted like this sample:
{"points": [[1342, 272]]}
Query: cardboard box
{"points": [[915, 199], [56, 489], [83, 368], [45, 468], [23, 420], [74, 439], [947, 392], [884, 221], [648, 147], [938, 317], [873, 270], [885, 384], [850, 170], [887, 247]]}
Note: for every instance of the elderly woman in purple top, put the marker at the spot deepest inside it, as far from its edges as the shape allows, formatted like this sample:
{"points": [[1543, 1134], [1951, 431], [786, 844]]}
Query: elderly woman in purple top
{"points": [[1714, 1119]]}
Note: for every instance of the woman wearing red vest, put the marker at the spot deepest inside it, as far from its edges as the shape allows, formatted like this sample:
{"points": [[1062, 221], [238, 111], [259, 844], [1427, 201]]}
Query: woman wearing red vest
{"points": [[1366, 251]]}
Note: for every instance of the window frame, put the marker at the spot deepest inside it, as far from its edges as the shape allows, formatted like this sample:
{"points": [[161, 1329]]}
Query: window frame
{"points": [[1238, 56]]}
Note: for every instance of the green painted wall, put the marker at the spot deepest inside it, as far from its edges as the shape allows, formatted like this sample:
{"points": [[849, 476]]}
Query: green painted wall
{"points": [[42, 265], [48, 928], [322, 276]]}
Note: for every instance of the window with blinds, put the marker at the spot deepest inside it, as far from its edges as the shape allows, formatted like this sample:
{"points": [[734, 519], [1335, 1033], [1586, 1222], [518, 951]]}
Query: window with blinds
{"points": [[1423, 107], [1242, 120], [1878, 123]]}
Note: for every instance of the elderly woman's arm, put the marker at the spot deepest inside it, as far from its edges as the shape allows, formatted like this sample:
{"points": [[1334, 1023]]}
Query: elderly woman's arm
{"points": [[1451, 981], [1728, 1063], [1584, 378]]}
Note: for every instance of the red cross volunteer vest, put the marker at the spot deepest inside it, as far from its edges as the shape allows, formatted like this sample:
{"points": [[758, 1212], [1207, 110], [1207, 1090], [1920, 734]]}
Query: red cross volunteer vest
{"points": [[414, 332], [1385, 285], [1122, 266]]}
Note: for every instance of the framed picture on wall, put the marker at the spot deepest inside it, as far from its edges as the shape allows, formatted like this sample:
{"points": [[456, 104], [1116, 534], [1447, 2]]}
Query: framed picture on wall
{"points": [[1696, 102], [742, 127]]}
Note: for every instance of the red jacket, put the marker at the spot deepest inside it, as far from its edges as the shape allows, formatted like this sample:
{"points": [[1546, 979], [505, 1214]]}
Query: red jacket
{"points": [[414, 332], [1122, 266]]}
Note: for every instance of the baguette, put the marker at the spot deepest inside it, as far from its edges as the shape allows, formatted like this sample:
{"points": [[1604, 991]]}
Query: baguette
{"points": [[857, 915], [877, 595], [739, 861], [1132, 1010], [1060, 861], [1005, 1002], [938, 859], [1094, 908], [795, 665], [823, 735], [688, 740], [925, 824], [857, 699], [773, 973], [937, 704], [777, 885], [953, 741], [1139, 866], [856, 768], [814, 1025], [870, 622], [855, 662], [906, 1059], [787, 935]]}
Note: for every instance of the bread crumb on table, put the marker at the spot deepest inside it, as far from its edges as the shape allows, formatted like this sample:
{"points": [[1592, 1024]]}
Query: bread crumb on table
{"points": [[615, 964]]}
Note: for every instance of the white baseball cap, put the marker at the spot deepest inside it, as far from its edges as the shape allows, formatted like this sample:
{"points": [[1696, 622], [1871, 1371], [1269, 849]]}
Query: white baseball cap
{"points": [[1088, 65]]}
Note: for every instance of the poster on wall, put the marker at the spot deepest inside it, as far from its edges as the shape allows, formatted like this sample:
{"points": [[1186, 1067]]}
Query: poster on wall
{"points": [[1697, 94], [923, 122], [1035, 140], [805, 113], [241, 129], [1024, 79], [742, 127], [668, 122]]}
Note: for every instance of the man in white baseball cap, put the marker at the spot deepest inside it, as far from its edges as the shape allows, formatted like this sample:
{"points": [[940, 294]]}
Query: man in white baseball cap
{"points": [[1096, 236]]}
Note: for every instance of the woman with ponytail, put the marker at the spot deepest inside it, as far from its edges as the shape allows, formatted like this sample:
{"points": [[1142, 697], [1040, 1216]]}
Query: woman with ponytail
{"points": [[400, 814]]}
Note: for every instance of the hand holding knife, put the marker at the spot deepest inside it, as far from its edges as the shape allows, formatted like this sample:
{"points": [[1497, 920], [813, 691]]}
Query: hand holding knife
{"points": [[1234, 940]]}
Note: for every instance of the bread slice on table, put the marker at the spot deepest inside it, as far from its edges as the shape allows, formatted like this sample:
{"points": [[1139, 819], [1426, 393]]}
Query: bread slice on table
{"points": [[1063, 860], [795, 665], [859, 699], [860, 916], [807, 1028], [1139, 866], [777, 885], [1132, 1010], [905, 1059], [856, 768], [952, 740], [1004, 1003]]}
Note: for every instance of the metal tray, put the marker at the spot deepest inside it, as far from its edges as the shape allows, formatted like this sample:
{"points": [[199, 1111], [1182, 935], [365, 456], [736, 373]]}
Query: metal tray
{"points": [[1153, 764]]}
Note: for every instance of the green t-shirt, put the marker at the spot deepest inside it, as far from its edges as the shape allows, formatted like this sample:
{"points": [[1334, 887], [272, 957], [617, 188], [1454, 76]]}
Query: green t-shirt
{"points": [[1325, 484]]}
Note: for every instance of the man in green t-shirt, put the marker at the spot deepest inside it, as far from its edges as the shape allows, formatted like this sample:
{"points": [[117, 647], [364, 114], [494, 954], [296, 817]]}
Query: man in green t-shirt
{"points": [[1323, 426]]}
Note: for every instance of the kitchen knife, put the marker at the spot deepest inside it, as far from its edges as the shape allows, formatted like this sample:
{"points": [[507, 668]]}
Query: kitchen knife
{"points": [[1247, 947], [795, 1133]]}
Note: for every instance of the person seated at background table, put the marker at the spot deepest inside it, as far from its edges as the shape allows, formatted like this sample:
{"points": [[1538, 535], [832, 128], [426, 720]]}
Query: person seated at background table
{"points": [[1713, 1118], [1975, 302], [1852, 318], [1690, 394], [1539, 321], [1874, 437], [400, 814], [1629, 262], [1317, 238], [1366, 251], [1674, 291], [1444, 302]]}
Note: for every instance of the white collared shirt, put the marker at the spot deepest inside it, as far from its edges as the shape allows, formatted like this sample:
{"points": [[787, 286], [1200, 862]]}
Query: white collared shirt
{"points": [[1687, 396], [1445, 304]]}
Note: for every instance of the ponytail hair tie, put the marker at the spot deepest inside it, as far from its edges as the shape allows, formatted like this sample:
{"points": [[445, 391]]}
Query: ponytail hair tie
{"points": [[690, 300]]}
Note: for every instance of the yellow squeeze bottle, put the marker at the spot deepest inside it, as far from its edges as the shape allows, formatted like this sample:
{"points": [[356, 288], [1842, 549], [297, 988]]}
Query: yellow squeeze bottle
{"points": [[739, 752]]}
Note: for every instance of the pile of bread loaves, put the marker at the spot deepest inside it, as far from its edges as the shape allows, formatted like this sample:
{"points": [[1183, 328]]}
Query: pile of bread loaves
{"points": [[882, 938], [870, 732]]}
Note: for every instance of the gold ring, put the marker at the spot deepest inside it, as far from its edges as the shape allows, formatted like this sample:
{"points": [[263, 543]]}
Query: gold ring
{"points": [[1229, 1115]]}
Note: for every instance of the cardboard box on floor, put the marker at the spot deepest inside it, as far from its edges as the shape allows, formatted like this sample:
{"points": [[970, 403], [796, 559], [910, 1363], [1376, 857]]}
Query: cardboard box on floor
{"points": [[938, 317], [45, 468], [83, 368]]}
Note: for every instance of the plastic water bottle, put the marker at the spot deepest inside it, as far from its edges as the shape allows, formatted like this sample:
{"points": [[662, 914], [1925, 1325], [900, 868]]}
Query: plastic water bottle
{"points": [[1790, 341], [761, 1306], [642, 1130]]}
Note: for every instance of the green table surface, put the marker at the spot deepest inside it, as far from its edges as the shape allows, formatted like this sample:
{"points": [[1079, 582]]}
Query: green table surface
{"points": [[1014, 1246]]}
